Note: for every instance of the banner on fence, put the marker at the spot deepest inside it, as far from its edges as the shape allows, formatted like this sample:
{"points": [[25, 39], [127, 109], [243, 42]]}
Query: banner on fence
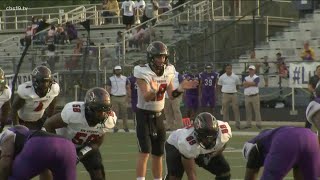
{"points": [[300, 73], [24, 77]]}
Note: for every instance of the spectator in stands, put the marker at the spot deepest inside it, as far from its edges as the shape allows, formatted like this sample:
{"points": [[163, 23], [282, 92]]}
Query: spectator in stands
{"points": [[148, 36], [71, 31], [314, 82], [119, 47], [51, 35], [61, 35], [127, 11], [136, 39], [307, 53], [27, 37], [151, 11], [111, 9], [164, 6], [40, 30], [282, 68], [34, 25], [140, 6]]}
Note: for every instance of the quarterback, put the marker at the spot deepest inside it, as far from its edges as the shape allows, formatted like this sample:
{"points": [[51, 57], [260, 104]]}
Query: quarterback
{"points": [[153, 80], [201, 143], [85, 124]]}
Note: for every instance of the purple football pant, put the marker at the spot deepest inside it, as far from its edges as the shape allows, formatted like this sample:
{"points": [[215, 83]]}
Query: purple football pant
{"points": [[191, 102], [299, 148], [208, 101], [40, 153]]}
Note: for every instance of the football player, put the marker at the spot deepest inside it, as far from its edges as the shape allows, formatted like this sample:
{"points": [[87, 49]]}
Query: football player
{"points": [[208, 81], [134, 95], [34, 97], [280, 150], [153, 80], [191, 96], [85, 123], [201, 143], [24, 154], [5, 95], [313, 111]]}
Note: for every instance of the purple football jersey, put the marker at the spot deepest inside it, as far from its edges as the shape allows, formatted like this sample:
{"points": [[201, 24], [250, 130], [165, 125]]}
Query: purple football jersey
{"points": [[286, 147], [192, 92], [208, 82]]}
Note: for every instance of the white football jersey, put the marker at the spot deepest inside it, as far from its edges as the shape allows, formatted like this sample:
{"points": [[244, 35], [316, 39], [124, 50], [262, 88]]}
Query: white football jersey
{"points": [[144, 72], [312, 108], [34, 106], [185, 141], [5, 95], [78, 129]]}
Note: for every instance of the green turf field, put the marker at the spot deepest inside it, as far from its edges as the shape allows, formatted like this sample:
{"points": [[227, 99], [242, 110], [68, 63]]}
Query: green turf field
{"points": [[119, 156]]}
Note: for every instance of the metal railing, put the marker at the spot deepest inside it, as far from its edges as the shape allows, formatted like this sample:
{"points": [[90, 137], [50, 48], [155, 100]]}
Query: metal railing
{"points": [[194, 12]]}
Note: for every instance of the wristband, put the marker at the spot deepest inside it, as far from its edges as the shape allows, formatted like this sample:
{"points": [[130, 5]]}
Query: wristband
{"points": [[85, 150]]}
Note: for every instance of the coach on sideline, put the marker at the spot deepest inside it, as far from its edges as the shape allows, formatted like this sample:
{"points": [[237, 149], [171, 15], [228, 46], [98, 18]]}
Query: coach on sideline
{"points": [[228, 84], [251, 97]]}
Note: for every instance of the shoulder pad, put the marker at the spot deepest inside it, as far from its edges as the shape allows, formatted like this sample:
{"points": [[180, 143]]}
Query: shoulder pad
{"points": [[68, 115], [225, 131], [142, 73], [25, 89]]}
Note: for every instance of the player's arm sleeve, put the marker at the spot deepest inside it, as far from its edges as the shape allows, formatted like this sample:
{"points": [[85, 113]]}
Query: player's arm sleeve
{"points": [[226, 133], [256, 81]]}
